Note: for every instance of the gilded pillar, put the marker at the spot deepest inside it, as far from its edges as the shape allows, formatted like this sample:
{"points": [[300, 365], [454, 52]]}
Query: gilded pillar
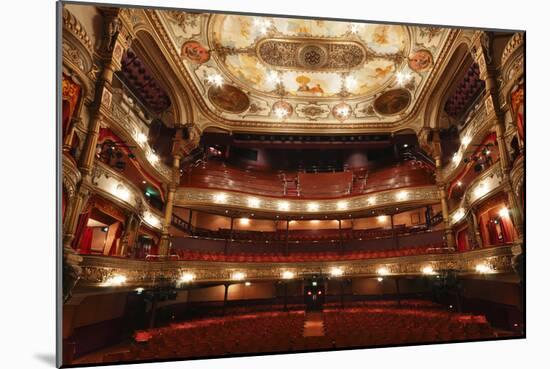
{"points": [[164, 245], [482, 53]]}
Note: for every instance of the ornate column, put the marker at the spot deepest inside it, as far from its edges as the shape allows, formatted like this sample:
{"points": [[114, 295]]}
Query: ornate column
{"points": [[483, 55], [165, 236], [442, 186], [129, 230], [110, 53], [473, 230]]}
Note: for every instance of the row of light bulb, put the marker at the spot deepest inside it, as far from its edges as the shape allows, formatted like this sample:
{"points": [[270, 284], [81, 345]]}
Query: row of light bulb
{"points": [[254, 202], [119, 279]]}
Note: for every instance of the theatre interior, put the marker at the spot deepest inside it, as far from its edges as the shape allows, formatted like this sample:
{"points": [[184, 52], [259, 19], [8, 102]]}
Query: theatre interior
{"points": [[237, 184]]}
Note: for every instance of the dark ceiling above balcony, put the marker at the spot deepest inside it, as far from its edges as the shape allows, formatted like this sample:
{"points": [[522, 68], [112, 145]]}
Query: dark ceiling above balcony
{"points": [[465, 93], [138, 78]]}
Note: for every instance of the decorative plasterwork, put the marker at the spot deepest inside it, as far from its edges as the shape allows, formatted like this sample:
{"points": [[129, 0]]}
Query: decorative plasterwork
{"points": [[517, 41], [189, 197], [117, 188], [128, 121], [70, 175], [96, 270], [196, 68], [77, 46], [480, 189], [480, 122], [517, 174]]}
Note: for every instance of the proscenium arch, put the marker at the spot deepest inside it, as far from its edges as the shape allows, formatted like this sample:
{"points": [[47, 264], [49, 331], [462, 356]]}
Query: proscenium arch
{"points": [[457, 64], [147, 47]]}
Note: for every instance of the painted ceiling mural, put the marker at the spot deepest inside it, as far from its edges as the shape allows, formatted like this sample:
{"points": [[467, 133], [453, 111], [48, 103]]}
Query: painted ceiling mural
{"points": [[265, 69]]}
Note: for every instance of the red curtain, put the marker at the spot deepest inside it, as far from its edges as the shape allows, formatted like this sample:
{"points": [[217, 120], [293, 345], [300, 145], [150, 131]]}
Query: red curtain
{"points": [[462, 240], [86, 242], [80, 228]]}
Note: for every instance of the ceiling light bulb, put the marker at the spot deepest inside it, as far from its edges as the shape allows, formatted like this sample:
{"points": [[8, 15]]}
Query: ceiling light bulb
{"points": [[274, 77], [336, 272], [355, 28], [281, 113], [343, 111], [215, 79], [350, 82], [403, 77]]}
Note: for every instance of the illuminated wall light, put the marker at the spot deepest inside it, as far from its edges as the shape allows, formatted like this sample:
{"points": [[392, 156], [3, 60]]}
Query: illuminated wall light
{"points": [[381, 218], [139, 290], [342, 205], [465, 140], [187, 278], [283, 205], [287, 274], [336, 272], [456, 158], [254, 202], [141, 138], [483, 268], [382, 271], [220, 198], [379, 279], [312, 206], [428, 270], [152, 157], [244, 221], [247, 284], [371, 200], [238, 276], [314, 221], [402, 195], [459, 184], [115, 280], [504, 212], [459, 214]]}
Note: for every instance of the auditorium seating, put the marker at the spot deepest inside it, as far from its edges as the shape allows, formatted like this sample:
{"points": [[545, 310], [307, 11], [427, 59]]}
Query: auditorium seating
{"points": [[190, 255], [365, 324]]}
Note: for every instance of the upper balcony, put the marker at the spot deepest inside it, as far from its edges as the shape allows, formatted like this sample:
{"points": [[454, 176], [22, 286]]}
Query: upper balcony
{"points": [[328, 185]]}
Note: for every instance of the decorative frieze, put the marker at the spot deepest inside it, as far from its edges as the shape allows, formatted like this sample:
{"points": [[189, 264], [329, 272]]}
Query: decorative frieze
{"points": [[189, 197], [116, 187], [96, 270]]}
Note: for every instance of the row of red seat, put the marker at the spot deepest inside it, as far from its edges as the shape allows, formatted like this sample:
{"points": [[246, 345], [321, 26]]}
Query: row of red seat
{"points": [[191, 255], [283, 332]]}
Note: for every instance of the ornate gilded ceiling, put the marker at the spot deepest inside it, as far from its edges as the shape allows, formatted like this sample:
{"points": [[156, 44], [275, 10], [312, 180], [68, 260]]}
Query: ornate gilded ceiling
{"points": [[284, 71]]}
